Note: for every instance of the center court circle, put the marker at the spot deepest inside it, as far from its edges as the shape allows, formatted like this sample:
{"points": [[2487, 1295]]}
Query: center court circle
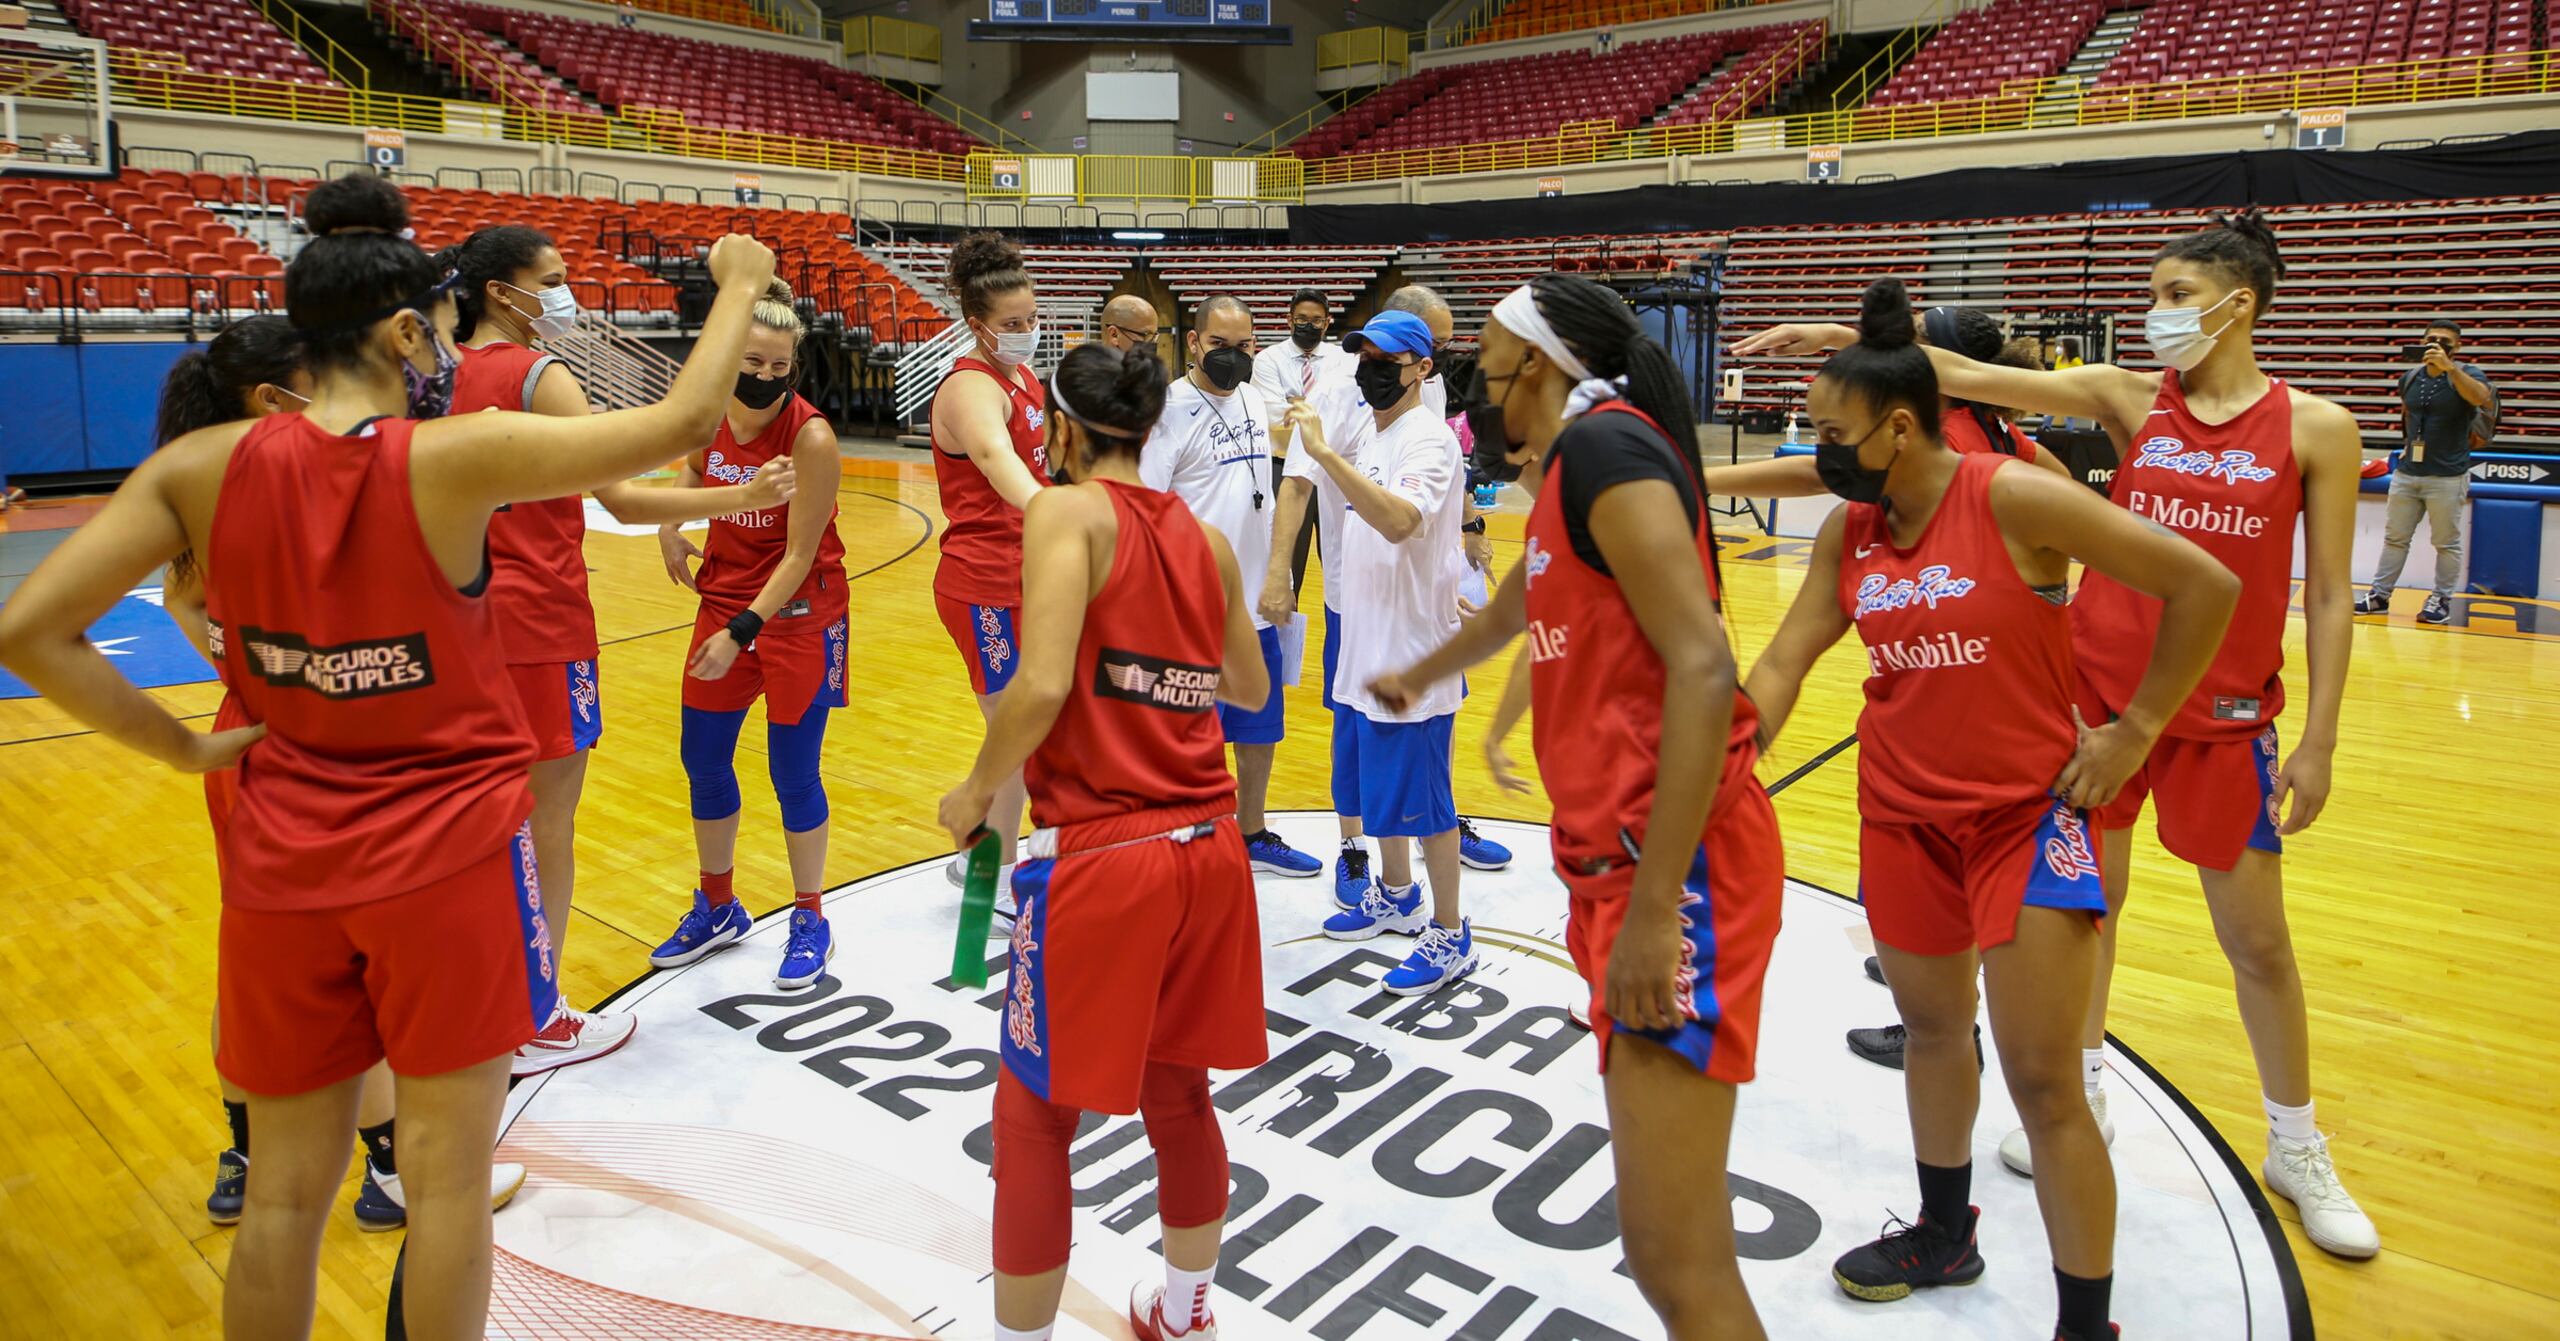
{"points": [[814, 1164]]}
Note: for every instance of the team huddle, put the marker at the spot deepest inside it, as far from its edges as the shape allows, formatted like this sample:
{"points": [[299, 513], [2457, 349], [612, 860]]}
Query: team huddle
{"points": [[371, 512]]}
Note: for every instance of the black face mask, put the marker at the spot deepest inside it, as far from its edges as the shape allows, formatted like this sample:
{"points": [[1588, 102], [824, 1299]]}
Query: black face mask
{"points": [[1837, 464], [1490, 455], [1381, 383], [1306, 334], [757, 393], [1226, 367]]}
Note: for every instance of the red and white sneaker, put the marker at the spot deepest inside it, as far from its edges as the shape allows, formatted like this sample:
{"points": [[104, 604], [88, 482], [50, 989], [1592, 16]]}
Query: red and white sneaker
{"points": [[1146, 1318], [573, 1037]]}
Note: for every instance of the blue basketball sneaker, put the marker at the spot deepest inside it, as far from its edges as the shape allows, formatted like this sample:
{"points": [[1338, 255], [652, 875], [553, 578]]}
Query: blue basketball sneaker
{"points": [[381, 1205], [230, 1188], [805, 955], [703, 930], [1272, 855], [1479, 853], [1440, 958], [1381, 909], [1351, 877]]}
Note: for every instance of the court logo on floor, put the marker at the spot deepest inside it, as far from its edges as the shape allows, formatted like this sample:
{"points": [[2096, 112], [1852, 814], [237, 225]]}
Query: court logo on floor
{"points": [[759, 1163]]}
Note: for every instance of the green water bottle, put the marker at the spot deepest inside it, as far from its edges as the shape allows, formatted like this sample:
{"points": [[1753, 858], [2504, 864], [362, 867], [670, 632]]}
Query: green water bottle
{"points": [[977, 911]]}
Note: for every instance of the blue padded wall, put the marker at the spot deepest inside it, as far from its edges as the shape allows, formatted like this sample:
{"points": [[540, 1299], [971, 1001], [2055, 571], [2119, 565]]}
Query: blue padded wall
{"points": [[66, 408]]}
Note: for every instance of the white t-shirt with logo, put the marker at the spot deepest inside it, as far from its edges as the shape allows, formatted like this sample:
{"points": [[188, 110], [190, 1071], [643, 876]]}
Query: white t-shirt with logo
{"points": [[1347, 421], [1215, 451], [1400, 600], [1283, 370]]}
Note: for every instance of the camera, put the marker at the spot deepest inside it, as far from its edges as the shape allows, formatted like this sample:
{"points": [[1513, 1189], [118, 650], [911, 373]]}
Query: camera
{"points": [[2417, 353]]}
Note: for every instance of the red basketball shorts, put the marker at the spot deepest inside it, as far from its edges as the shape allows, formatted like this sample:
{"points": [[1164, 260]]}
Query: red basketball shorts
{"points": [[791, 669], [441, 977], [1729, 915], [985, 636], [1133, 946], [1943, 889], [563, 704], [2216, 798]]}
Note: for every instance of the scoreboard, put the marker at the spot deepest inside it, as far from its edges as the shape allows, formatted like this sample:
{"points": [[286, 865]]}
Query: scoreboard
{"points": [[1132, 13]]}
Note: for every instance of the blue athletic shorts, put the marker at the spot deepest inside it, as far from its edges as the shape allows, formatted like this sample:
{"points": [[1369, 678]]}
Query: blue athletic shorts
{"points": [[1268, 724], [1399, 775]]}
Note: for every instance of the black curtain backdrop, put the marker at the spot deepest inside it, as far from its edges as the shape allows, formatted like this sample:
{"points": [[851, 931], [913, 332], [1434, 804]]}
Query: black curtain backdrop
{"points": [[2525, 164]]}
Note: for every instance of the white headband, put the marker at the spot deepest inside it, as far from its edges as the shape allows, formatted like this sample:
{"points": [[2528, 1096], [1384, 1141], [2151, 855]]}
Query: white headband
{"points": [[1518, 313]]}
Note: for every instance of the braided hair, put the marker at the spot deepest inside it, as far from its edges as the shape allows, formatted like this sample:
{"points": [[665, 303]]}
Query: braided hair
{"points": [[2240, 247], [1597, 325]]}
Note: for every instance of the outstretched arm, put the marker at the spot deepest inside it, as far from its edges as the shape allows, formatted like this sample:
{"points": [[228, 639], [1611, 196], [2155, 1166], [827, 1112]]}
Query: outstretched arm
{"points": [[969, 413]]}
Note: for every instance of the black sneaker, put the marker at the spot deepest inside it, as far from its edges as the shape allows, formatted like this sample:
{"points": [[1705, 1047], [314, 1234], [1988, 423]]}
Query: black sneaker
{"points": [[230, 1188], [2373, 602], [2437, 610], [1875, 970], [1910, 1257], [1884, 1046]]}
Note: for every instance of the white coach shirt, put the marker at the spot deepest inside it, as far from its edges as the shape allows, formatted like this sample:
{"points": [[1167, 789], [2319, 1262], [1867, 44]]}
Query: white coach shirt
{"points": [[1347, 423], [1215, 452], [1284, 370], [1400, 601]]}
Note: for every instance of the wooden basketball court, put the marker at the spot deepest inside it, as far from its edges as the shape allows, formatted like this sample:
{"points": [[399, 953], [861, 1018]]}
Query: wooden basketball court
{"points": [[2421, 907]]}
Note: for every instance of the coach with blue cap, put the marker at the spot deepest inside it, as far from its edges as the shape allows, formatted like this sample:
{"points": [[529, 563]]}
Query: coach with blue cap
{"points": [[1396, 470]]}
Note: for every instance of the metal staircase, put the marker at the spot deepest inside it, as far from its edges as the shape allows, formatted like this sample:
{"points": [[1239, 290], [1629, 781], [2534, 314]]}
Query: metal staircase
{"points": [[620, 371], [2059, 104]]}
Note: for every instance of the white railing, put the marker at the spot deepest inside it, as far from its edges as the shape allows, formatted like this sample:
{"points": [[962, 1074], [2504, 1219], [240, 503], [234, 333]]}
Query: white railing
{"points": [[619, 370]]}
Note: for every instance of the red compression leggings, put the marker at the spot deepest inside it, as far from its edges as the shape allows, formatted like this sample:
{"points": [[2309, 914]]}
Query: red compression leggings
{"points": [[1033, 1198]]}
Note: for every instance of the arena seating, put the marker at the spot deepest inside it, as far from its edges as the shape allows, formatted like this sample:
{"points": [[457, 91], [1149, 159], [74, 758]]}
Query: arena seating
{"points": [[1265, 278], [1986, 48], [717, 86], [1764, 61], [1472, 276], [1535, 18], [229, 37], [1523, 97], [139, 242], [2199, 39], [1066, 279], [460, 38]]}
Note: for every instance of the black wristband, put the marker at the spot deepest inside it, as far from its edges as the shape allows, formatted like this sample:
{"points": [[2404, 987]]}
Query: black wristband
{"points": [[744, 626], [1475, 527]]}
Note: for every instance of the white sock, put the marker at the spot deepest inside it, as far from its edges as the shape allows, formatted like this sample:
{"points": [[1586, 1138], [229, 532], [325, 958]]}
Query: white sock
{"points": [[1186, 1299], [1039, 1333], [2293, 1124], [2093, 1069], [1354, 845]]}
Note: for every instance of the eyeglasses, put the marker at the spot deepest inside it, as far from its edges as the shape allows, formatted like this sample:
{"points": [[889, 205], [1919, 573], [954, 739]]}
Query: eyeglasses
{"points": [[1134, 335]]}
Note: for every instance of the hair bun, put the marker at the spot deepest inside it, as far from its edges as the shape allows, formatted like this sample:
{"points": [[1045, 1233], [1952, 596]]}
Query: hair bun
{"points": [[361, 203], [1884, 316], [778, 290], [979, 254], [2251, 224]]}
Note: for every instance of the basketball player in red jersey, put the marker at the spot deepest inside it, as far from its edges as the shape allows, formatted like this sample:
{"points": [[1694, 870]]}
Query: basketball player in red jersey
{"points": [[772, 625], [513, 292], [1974, 847], [379, 893], [251, 370], [2232, 459], [1137, 954], [989, 458], [1666, 842]]}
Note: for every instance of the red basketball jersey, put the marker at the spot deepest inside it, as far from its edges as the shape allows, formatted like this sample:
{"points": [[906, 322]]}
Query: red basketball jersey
{"points": [[1140, 728], [537, 551], [395, 752], [982, 533], [1595, 683], [1968, 668], [745, 547], [1962, 432], [2235, 489]]}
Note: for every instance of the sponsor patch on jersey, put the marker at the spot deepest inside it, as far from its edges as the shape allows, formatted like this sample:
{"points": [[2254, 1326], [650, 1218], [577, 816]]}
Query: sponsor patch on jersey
{"points": [[362, 669], [716, 467], [1539, 558], [2236, 709], [1135, 677], [2171, 454]]}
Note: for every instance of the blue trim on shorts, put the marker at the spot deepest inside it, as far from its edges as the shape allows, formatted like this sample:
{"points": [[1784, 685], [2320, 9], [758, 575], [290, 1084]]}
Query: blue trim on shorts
{"points": [[1268, 724], [541, 970], [831, 691], [1026, 1010], [1332, 657], [998, 651], [2262, 835], [1404, 771], [586, 706], [1695, 1038], [2062, 862]]}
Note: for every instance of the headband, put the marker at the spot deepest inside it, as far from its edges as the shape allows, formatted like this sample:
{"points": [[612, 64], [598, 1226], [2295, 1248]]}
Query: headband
{"points": [[1518, 313], [1939, 323], [1058, 398]]}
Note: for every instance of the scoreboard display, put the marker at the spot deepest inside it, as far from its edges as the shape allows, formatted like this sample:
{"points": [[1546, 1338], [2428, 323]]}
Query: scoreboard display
{"points": [[1132, 13]]}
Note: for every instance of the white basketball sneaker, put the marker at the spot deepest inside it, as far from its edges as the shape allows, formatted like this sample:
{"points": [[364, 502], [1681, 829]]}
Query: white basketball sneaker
{"points": [[2300, 1172], [573, 1037], [1146, 1318], [2013, 1148]]}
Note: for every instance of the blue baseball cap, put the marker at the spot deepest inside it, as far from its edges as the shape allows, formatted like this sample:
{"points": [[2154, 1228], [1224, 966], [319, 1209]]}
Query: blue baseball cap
{"points": [[1392, 333]]}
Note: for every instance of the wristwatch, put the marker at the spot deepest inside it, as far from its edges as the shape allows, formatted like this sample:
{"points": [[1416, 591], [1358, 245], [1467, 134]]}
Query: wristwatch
{"points": [[1475, 527]]}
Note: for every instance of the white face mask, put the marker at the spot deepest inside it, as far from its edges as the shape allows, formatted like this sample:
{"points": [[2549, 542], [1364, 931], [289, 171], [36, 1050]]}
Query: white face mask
{"points": [[1014, 348], [559, 311], [2177, 335]]}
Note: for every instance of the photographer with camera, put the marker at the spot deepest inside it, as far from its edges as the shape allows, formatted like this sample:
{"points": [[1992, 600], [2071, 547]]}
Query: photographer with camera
{"points": [[2448, 411]]}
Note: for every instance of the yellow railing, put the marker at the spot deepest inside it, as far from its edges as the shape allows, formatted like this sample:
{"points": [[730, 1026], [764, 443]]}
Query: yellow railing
{"points": [[150, 79], [965, 117], [1902, 46], [2024, 104], [1505, 25], [342, 64], [1135, 177], [1364, 46], [761, 14], [881, 35], [1330, 105]]}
